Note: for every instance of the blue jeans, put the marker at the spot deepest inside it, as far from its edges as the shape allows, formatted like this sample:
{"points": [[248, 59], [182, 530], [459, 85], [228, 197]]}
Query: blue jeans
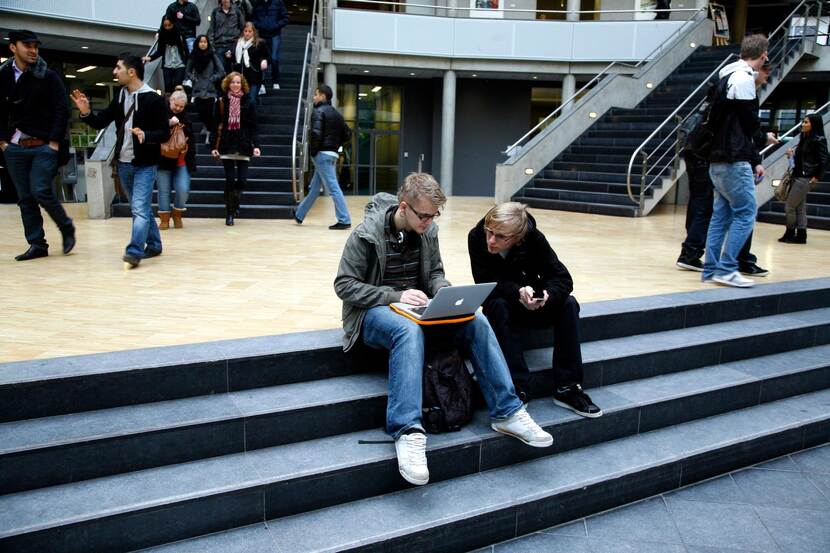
{"points": [[32, 171], [324, 173], [273, 44], [253, 94], [179, 179], [137, 182], [385, 329], [733, 216]]}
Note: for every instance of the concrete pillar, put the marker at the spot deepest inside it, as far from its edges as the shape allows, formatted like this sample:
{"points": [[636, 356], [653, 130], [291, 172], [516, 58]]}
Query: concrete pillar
{"points": [[330, 78], [738, 23], [568, 89], [447, 132], [573, 9]]}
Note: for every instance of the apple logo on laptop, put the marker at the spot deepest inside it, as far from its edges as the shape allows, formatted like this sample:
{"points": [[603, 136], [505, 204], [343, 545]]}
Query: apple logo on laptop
{"points": [[459, 302]]}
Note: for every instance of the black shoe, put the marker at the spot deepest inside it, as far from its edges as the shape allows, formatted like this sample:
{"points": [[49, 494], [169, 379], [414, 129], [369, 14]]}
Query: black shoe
{"points": [[340, 226], [148, 253], [751, 269], [789, 236], [32, 253], [689, 263], [229, 220], [131, 260], [68, 240], [576, 400], [296, 219], [800, 236]]}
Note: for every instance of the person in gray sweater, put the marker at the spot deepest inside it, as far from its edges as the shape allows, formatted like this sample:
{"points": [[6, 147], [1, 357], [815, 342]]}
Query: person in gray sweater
{"points": [[205, 69]]}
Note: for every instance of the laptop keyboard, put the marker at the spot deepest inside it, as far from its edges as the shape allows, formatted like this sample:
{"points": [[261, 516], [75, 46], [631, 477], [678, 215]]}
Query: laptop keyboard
{"points": [[418, 310]]}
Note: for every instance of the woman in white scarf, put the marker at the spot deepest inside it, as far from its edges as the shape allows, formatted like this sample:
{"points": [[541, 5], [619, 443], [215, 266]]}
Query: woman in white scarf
{"points": [[251, 58]]}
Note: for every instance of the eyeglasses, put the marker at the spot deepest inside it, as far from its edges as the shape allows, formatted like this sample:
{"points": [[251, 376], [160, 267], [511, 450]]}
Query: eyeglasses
{"points": [[497, 236], [424, 217]]}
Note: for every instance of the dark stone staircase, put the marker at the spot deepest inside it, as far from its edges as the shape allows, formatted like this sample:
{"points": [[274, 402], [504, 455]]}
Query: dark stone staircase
{"points": [[255, 445], [268, 194], [590, 175], [818, 208]]}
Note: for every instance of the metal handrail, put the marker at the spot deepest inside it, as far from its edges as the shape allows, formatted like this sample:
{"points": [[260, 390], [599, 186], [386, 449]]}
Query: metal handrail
{"points": [[663, 124], [312, 46], [792, 130], [510, 10], [511, 150], [645, 170], [785, 49]]}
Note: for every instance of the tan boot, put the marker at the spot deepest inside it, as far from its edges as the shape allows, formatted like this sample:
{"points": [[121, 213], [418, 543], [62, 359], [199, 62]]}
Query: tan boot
{"points": [[177, 217], [165, 220]]}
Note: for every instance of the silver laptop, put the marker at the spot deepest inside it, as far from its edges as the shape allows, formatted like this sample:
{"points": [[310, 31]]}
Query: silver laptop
{"points": [[450, 301]]}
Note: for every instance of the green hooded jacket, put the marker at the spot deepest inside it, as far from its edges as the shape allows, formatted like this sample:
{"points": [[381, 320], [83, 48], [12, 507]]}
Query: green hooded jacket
{"points": [[363, 263]]}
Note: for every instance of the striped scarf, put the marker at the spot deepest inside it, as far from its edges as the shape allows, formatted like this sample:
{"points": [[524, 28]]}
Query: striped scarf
{"points": [[234, 111]]}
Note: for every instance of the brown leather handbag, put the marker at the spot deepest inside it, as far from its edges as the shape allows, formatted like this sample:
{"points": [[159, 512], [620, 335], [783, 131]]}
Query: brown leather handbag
{"points": [[176, 145]]}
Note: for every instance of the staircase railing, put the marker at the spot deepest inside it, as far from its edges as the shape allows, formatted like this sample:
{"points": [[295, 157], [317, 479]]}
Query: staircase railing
{"points": [[308, 84], [794, 130], [656, 161], [516, 147]]}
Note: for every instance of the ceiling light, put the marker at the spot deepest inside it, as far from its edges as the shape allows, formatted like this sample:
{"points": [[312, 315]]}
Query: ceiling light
{"points": [[803, 78], [87, 68], [412, 74], [692, 45], [377, 89], [3, 60], [70, 76], [535, 77], [100, 84], [115, 80], [365, 70], [363, 94], [474, 75], [84, 47], [649, 84]]}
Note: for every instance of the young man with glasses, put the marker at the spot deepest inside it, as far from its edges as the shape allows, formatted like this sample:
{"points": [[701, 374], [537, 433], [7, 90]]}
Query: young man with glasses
{"points": [[534, 289], [393, 256]]}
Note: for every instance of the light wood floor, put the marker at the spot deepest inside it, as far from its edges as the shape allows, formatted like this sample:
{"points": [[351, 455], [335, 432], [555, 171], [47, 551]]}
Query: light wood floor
{"points": [[268, 277]]}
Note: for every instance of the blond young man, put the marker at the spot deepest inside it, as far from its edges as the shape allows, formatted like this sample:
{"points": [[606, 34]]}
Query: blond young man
{"points": [[534, 289], [393, 256]]}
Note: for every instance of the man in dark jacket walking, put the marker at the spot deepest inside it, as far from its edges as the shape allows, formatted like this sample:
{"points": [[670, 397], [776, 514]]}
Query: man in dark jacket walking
{"points": [[269, 17], [140, 117], [533, 290], [185, 16], [328, 132], [732, 161], [33, 121]]}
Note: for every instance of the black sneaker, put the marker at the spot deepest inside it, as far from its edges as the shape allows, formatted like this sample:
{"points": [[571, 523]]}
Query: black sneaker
{"points": [[340, 226], [690, 263], [576, 400], [132, 261], [751, 269], [148, 253], [296, 219]]}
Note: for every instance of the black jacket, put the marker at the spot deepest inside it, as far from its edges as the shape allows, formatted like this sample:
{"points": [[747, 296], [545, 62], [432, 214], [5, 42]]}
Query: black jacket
{"points": [[736, 121], [269, 17], [811, 157], [169, 164], [532, 262], [252, 73], [187, 24], [169, 39], [150, 115], [242, 140], [35, 104], [328, 129]]}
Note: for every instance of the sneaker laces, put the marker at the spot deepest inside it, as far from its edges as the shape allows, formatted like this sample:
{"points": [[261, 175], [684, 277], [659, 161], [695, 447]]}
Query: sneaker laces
{"points": [[416, 444], [526, 422]]}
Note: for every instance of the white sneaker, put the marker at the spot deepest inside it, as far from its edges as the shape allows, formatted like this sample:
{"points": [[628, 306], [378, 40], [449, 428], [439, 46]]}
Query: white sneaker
{"points": [[412, 457], [262, 91], [521, 426], [734, 279], [276, 87]]}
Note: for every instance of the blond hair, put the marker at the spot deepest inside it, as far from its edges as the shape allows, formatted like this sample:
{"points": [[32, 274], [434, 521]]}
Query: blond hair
{"points": [[421, 185], [510, 218]]}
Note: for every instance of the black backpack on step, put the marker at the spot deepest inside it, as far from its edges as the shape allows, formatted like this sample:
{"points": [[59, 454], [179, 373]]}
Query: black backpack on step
{"points": [[448, 392]]}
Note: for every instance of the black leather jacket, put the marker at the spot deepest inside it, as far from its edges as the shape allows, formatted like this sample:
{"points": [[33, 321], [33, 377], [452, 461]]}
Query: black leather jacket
{"points": [[328, 130], [811, 157]]}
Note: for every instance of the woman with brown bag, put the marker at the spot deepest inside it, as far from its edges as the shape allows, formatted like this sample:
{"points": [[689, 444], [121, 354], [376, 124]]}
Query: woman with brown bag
{"points": [[810, 156], [174, 172], [236, 139]]}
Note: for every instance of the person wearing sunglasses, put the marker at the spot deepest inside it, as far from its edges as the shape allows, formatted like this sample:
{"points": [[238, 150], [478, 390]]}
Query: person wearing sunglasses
{"points": [[534, 290], [393, 256]]}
